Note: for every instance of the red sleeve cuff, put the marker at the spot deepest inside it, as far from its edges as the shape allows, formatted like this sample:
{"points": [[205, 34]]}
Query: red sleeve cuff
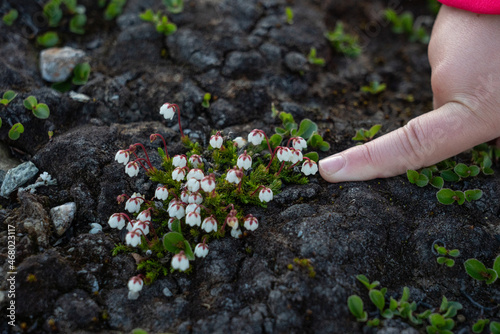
{"points": [[475, 6]]}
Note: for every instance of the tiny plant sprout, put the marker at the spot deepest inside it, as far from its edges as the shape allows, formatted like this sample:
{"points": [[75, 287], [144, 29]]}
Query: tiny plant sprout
{"points": [[313, 59], [251, 223], [477, 270], [132, 169], [355, 305], [48, 40], [195, 160], [40, 110], [367, 135], [122, 156], [244, 161], [174, 6], [7, 97], [374, 88], [180, 261], [216, 140], [209, 224], [133, 238], [289, 15], [179, 173], [343, 42], [117, 220], [206, 100], [9, 17], [15, 131], [81, 74], [161, 193], [201, 250], [179, 160], [266, 194], [309, 167]]}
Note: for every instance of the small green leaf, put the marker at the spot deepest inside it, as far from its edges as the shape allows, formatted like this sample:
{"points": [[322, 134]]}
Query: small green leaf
{"points": [[492, 276], [445, 196], [496, 265], [427, 172], [147, 16], [64, 86], [0, 122], [462, 170], [425, 314], [405, 296], [495, 327], [176, 226], [9, 95], [281, 131], [441, 250], [478, 327], [312, 155], [364, 280], [81, 74], [188, 251], [437, 182], [473, 194], [459, 197], [360, 135], [450, 176], [474, 170], [441, 260], [355, 305], [48, 40], [374, 130], [437, 320], [286, 117], [412, 175], [476, 269], [388, 314], [373, 323], [275, 140], [422, 180], [15, 131], [324, 146], [393, 304], [377, 299], [30, 102], [139, 331], [10, 17], [41, 111], [444, 304], [448, 325], [77, 23], [173, 241], [161, 153], [454, 252], [306, 129]]}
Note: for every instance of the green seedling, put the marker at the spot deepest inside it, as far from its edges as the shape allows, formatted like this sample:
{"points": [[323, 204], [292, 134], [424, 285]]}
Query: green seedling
{"points": [[449, 309], [355, 305], [313, 59], [289, 15], [465, 171], [15, 131], [174, 6], [373, 323], [425, 177], [40, 110], [366, 282], [206, 100], [439, 324], [48, 40], [479, 325], [477, 270], [343, 42], [306, 264], [10, 17], [7, 97], [495, 327], [445, 255], [77, 24], [367, 135], [483, 155], [403, 24], [114, 9], [433, 6], [374, 88], [81, 74], [161, 22], [53, 12], [448, 196]]}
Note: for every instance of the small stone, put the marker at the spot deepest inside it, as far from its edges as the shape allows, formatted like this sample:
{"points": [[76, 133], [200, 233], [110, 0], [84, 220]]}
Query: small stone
{"points": [[296, 62], [62, 216], [167, 292], [57, 64], [16, 177]]}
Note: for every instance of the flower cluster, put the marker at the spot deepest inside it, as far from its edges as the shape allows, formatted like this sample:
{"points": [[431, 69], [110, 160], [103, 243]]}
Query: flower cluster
{"points": [[190, 191]]}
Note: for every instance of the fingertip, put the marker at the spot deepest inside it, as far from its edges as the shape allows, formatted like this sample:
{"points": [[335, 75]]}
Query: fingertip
{"points": [[329, 167]]}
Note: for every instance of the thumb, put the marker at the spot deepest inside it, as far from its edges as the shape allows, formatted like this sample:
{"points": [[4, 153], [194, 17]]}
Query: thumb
{"points": [[424, 141]]}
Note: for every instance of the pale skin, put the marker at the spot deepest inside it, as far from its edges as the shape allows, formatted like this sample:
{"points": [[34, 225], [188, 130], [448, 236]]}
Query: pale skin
{"points": [[464, 54]]}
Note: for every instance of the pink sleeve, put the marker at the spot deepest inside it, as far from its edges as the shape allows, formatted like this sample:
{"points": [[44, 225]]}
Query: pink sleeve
{"points": [[475, 6]]}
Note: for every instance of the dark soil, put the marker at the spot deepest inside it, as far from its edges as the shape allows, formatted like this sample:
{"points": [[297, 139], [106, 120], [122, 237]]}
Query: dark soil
{"points": [[245, 54]]}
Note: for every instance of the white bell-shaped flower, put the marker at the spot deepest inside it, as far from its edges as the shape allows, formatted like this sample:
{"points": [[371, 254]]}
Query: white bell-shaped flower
{"points": [[195, 160], [195, 173], [234, 175], [167, 110], [309, 167], [201, 250], [178, 174], [180, 261], [244, 161], [193, 185], [236, 233], [283, 153], [239, 142], [176, 210], [208, 183], [133, 238], [185, 196], [256, 136], [251, 223], [195, 198], [209, 224], [266, 194], [132, 169], [193, 207], [122, 156], [144, 215], [179, 160], [216, 140], [161, 193], [117, 220], [193, 218], [299, 143], [295, 155], [135, 284]]}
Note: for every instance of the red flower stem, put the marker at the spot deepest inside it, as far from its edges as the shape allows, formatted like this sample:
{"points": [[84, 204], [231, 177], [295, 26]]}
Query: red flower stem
{"points": [[139, 160], [281, 168], [179, 118], [145, 236], [164, 144], [146, 153], [259, 187], [268, 144], [125, 215], [272, 157]]}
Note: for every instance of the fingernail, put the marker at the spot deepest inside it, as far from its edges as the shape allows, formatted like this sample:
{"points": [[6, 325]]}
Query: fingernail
{"points": [[333, 164]]}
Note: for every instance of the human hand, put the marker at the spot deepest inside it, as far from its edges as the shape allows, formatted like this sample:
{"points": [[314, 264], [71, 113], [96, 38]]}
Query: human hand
{"points": [[464, 53]]}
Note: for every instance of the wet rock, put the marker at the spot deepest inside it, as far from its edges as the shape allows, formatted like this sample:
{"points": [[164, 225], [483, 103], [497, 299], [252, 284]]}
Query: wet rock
{"points": [[31, 218], [76, 310], [296, 62], [62, 216], [49, 277], [57, 64], [16, 177], [243, 63], [6, 161]]}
